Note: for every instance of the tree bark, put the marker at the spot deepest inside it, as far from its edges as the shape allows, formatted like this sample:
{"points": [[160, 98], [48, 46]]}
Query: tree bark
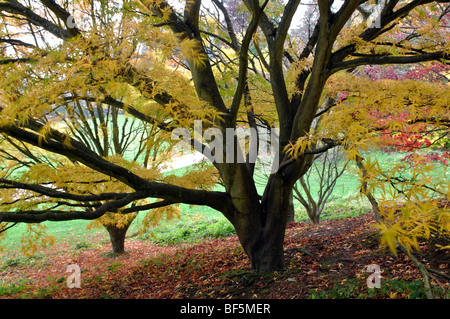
{"points": [[261, 230], [265, 248], [291, 209], [314, 215], [117, 237]]}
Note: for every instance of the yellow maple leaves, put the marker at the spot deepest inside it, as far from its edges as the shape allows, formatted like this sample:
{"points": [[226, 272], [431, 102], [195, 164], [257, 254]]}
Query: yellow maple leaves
{"points": [[35, 238], [361, 121], [414, 222], [411, 203]]}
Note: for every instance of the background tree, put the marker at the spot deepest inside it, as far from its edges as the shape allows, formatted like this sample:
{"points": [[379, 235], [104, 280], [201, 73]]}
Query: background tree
{"points": [[108, 132], [105, 130], [89, 64], [328, 167]]}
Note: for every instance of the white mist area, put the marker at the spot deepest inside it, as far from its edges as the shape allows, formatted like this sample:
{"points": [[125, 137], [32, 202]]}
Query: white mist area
{"points": [[255, 146], [183, 161]]}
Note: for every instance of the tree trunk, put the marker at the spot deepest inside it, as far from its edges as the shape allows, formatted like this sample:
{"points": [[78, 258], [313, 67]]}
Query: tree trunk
{"points": [[117, 237], [314, 212], [267, 255], [291, 209], [264, 246], [261, 231]]}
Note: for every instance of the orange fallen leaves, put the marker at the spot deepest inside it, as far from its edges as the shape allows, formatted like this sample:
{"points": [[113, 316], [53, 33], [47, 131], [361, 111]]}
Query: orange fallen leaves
{"points": [[333, 251]]}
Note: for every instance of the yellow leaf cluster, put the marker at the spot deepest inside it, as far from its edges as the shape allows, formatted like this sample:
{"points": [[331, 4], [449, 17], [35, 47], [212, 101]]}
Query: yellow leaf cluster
{"points": [[412, 203], [110, 219], [35, 238], [155, 216], [407, 195], [396, 104], [413, 222], [192, 51]]}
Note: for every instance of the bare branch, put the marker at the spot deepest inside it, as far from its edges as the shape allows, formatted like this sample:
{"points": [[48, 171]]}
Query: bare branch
{"points": [[371, 60], [14, 7], [54, 193], [50, 215]]}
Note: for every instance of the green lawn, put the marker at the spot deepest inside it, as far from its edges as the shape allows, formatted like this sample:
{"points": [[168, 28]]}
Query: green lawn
{"points": [[74, 231]]}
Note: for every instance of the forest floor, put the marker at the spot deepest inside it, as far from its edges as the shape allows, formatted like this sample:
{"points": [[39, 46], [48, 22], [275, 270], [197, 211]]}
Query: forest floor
{"points": [[328, 260]]}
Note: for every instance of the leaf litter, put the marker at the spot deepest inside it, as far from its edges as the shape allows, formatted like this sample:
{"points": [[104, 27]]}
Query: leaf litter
{"points": [[318, 257]]}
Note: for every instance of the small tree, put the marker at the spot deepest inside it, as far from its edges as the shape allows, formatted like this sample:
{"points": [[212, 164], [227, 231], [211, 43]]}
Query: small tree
{"points": [[108, 132], [327, 168]]}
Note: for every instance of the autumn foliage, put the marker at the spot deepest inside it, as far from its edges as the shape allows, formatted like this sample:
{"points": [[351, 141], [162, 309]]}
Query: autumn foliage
{"points": [[74, 96]]}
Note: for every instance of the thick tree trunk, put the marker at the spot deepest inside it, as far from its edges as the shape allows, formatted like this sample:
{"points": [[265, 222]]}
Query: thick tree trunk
{"points": [[264, 246], [268, 255], [261, 231], [117, 237]]}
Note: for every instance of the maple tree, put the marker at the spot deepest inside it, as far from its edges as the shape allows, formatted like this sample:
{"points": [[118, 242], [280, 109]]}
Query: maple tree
{"points": [[108, 132], [412, 205], [257, 76]]}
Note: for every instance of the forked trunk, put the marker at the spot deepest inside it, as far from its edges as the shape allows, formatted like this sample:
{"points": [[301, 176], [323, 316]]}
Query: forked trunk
{"points": [[262, 230], [267, 253], [314, 214]]}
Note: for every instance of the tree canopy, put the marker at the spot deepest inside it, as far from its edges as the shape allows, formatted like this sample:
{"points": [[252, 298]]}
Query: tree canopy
{"points": [[224, 64]]}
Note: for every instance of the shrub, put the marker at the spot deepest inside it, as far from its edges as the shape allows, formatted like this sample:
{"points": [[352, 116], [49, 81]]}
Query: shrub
{"points": [[190, 230]]}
